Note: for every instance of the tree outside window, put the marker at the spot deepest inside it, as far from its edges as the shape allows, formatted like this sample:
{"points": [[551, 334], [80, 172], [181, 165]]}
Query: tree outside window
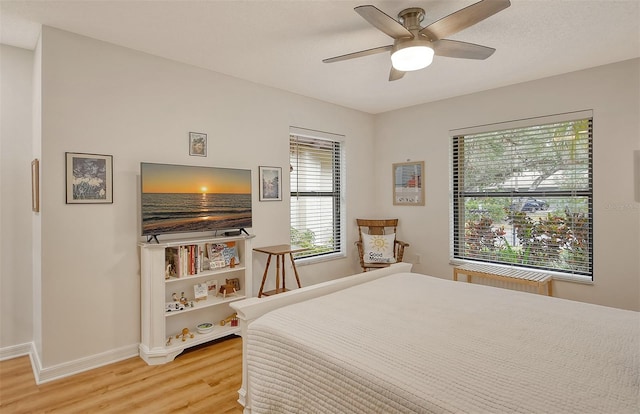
{"points": [[523, 196]]}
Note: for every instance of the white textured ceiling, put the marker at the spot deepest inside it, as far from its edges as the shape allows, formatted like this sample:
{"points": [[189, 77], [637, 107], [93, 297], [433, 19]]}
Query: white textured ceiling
{"points": [[282, 43]]}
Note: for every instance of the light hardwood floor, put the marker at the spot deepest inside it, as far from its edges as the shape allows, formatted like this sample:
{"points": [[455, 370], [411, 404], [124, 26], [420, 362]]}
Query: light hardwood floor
{"points": [[201, 380]]}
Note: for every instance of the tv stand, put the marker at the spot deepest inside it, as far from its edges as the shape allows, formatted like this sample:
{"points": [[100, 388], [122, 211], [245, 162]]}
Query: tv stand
{"points": [[163, 330]]}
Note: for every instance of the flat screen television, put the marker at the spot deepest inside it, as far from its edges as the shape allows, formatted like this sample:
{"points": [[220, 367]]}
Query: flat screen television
{"points": [[188, 199]]}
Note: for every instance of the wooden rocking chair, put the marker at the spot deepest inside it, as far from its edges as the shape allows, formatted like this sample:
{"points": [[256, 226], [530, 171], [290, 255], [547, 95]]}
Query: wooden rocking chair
{"points": [[378, 227]]}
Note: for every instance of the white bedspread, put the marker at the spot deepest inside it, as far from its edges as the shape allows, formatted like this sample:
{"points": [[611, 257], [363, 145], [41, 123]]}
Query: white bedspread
{"points": [[410, 343]]}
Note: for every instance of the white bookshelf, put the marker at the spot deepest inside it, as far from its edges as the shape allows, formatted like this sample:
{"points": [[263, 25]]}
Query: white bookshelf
{"points": [[158, 325]]}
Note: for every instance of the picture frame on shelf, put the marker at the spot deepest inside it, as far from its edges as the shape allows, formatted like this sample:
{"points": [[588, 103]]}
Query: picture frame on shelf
{"points": [[197, 144], [89, 178], [200, 291], [270, 182], [408, 184], [212, 286], [35, 185]]}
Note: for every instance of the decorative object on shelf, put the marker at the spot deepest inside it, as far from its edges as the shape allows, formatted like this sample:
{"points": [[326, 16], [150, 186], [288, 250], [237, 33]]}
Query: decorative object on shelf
{"points": [[230, 319], [235, 282], [205, 327], [214, 253], [184, 334], [204, 264], [198, 144], [220, 254], [89, 178], [270, 182], [226, 290], [230, 252], [216, 264], [35, 185], [174, 306], [200, 291], [169, 271], [212, 286], [168, 341], [408, 184]]}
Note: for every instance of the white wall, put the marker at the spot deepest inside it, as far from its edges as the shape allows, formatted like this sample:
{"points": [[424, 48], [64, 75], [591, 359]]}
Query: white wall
{"points": [[99, 98], [422, 133], [15, 196], [104, 99]]}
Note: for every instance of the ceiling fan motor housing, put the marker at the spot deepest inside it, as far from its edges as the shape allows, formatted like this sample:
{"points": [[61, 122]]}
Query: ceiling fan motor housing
{"points": [[411, 53], [411, 18]]}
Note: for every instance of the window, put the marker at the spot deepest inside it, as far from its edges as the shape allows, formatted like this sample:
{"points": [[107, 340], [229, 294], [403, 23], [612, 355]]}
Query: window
{"points": [[316, 192], [522, 194]]}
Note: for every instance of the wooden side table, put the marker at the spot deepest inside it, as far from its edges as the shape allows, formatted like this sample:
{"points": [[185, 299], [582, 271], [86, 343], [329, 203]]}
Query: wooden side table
{"points": [[280, 251]]}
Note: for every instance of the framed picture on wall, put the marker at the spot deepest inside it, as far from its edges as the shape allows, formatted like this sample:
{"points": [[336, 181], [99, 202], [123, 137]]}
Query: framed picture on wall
{"points": [[89, 178], [197, 144], [270, 184], [408, 184]]}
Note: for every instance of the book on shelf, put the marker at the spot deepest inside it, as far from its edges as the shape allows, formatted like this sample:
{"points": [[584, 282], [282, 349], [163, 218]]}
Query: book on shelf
{"points": [[183, 261], [192, 259]]}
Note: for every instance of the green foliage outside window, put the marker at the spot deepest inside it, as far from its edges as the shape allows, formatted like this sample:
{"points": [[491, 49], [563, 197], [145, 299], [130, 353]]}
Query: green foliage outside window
{"points": [[307, 239], [559, 241]]}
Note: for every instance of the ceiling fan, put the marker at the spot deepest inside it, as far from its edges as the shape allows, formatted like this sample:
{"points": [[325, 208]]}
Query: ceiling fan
{"points": [[414, 46]]}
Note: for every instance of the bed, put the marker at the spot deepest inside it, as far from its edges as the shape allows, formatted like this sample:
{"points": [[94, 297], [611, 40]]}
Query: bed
{"points": [[392, 341]]}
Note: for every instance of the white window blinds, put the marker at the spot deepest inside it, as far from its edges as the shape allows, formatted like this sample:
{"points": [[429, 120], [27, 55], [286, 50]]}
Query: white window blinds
{"points": [[315, 194], [522, 194]]}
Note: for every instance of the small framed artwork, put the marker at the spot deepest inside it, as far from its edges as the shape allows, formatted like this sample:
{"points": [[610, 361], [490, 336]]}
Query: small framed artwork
{"points": [[197, 144], [408, 184], [270, 184], [89, 178], [35, 185], [200, 291], [212, 287]]}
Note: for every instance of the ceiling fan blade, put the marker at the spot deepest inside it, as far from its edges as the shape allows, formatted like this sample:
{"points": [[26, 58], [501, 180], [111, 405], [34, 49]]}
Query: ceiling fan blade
{"points": [[395, 74], [456, 49], [464, 18], [383, 21], [359, 54]]}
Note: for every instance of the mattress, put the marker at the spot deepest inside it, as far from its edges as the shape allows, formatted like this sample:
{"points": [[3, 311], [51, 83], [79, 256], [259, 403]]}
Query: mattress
{"points": [[410, 343]]}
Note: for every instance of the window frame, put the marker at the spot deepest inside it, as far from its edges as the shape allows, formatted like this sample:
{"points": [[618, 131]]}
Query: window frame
{"points": [[337, 193], [457, 211]]}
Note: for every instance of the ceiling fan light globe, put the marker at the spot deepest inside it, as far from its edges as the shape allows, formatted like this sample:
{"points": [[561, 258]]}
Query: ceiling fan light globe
{"points": [[411, 58]]}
